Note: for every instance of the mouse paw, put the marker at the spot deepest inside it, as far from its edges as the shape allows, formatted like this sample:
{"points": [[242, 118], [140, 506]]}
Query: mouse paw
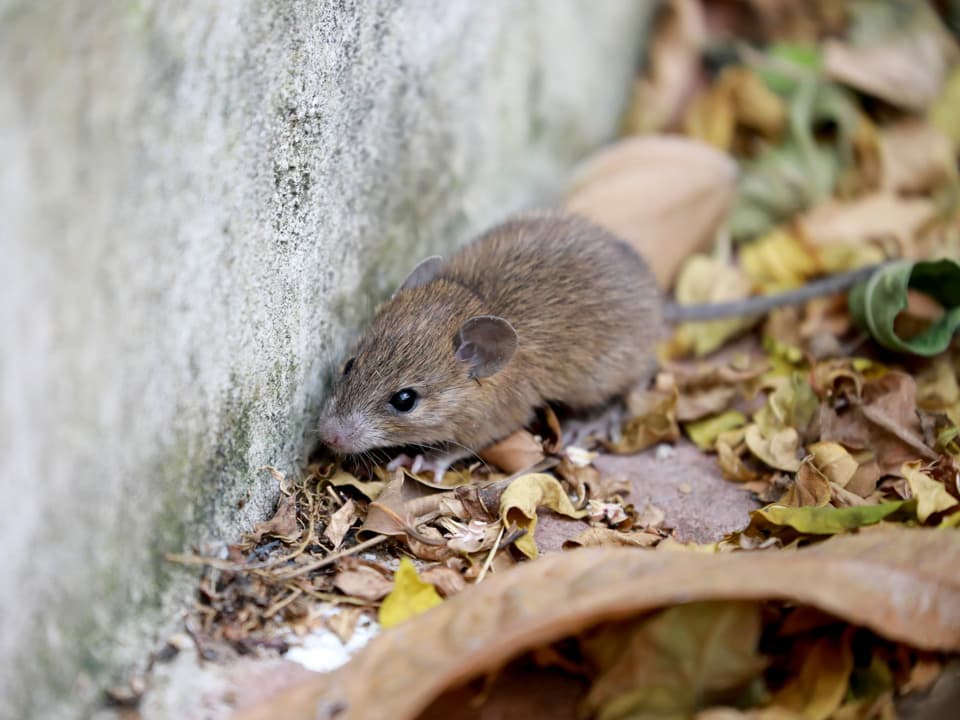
{"points": [[605, 426], [420, 463]]}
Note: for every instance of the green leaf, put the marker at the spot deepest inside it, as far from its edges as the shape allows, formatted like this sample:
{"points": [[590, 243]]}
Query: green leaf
{"points": [[876, 303], [828, 520], [785, 63]]}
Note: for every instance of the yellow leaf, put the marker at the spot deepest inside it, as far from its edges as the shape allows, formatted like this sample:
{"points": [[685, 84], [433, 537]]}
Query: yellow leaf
{"points": [[519, 503], [945, 111], [703, 279], [705, 432], [834, 462], [779, 450], [932, 497], [778, 261], [410, 596], [820, 687]]}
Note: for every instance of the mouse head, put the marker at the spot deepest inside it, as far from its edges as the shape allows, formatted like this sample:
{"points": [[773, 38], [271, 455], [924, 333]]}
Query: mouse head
{"points": [[425, 358]]}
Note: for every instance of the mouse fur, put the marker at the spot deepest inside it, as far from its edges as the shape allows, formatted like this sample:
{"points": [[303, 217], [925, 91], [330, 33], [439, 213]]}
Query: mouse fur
{"points": [[584, 311]]}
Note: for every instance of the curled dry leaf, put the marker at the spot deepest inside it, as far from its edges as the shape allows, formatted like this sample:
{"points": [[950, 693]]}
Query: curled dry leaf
{"points": [[667, 196], [340, 522], [447, 581], [282, 525], [932, 496], [519, 503], [608, 537], [778, 450], [899, 582], [360, 579], [652, 419], [515, 453]]}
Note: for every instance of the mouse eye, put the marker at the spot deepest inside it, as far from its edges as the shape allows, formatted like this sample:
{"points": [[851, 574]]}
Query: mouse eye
{"points": [[403, 401], [348, 366]]}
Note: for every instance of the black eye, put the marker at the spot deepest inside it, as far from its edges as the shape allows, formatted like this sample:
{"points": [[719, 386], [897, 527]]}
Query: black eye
{"points": [[348, 366], [403, 401]]}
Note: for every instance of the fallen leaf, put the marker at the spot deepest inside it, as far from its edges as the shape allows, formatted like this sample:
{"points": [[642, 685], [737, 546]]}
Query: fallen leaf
{"points": [[819, 689], [778, 261], [519, 503], [874, 218], [371, 489], [834, 462], [344, 623], [932, 496], [738, 98], [898, 582], [730, 449], [515, 453], [608, 537], [362, 580], [779, 450], [340, 522], [698, 404], [876, 303], [705, 432], [810, 489], [904, 63], [447, 581], [703, 279], [282, 525], [669, 665], [826, 520], [945, 111], [915, 158], [409, 597], [667, 196], [652, 419]]}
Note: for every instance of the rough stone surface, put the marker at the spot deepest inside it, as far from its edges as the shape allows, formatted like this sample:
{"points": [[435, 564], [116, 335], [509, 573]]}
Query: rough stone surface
{"points": [[194, 198]]}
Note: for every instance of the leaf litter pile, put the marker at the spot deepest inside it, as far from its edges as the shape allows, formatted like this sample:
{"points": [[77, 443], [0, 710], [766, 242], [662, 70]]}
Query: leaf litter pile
{"points": [[768, 143]]}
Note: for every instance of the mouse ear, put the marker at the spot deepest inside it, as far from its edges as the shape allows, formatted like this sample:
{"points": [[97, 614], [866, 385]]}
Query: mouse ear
{"points": [[486, 343], [422, 274]]}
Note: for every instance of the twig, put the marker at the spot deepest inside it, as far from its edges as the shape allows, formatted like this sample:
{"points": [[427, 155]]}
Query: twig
{"points": [[493, 551], [330, 559]]}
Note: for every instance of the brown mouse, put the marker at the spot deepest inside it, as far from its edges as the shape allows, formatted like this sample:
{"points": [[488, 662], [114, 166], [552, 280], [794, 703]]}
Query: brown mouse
{"points": [[543, 308]]}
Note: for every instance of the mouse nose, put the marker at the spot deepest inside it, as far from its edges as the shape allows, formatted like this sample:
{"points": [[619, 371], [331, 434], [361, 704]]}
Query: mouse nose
{"points": [[338, 435]]}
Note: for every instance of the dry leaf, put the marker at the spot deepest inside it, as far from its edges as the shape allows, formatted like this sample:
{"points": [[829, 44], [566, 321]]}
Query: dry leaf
{"points": [[932, 496], [907, 69], [704, 280], [362, 580], [446, 580], [340, 522], [519, 503], [819, 689], [608, 537], [739, 98], [652, 419], [779, 450], [778, 261], [834, 462], [344, 623], [898, 582], [667, 196], [915, 158], [282, 525], [409, 597], [811, 489], [515, 453], [873, 218], [370, 489], [698, 404]]}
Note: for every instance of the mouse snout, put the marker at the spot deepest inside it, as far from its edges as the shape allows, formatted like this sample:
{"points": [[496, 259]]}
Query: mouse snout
{"points": [[341, 435]]}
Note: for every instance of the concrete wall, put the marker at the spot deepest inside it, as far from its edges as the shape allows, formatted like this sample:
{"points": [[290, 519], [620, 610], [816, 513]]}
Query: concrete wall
{"points": [[197, 199]]}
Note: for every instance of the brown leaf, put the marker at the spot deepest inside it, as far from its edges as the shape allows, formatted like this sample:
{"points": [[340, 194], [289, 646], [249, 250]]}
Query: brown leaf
{"points": [[711, 401], [608, 537], [447, 581], [653, 419], [282, 525], [515, 453], [915, 157], [340, 522], [344, 623], [667, 196], [363, 580], [907, 69], [899, 582]]}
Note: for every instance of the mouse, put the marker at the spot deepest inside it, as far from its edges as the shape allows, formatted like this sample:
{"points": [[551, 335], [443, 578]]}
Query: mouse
{"points": [[546, 308]]}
